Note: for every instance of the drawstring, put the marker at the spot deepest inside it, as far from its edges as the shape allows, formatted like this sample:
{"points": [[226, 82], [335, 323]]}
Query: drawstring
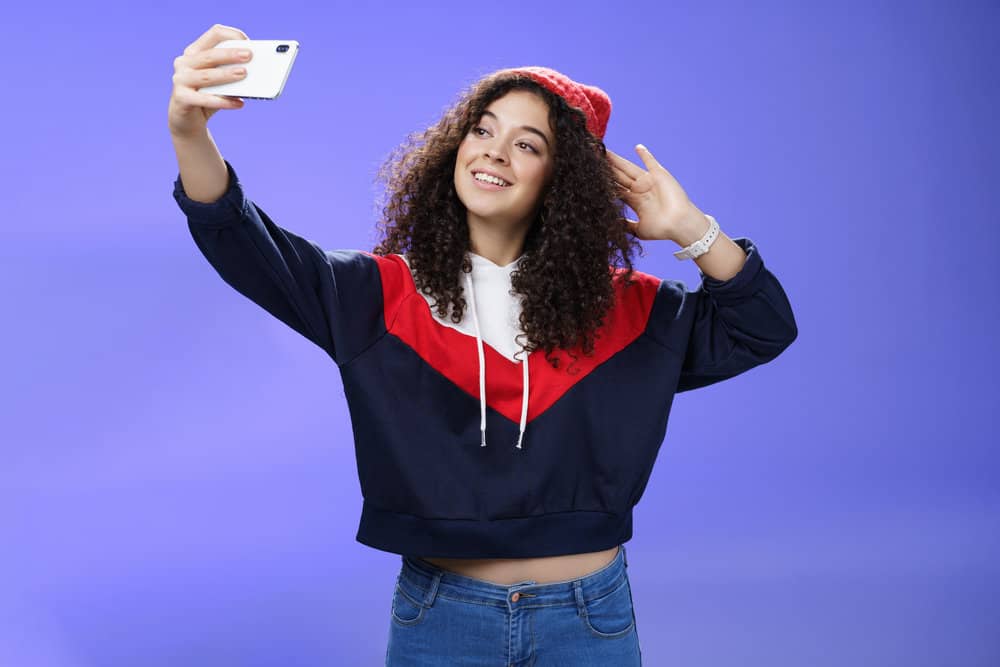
{"points": [[482, 373], [524, 398], [482, 360]]}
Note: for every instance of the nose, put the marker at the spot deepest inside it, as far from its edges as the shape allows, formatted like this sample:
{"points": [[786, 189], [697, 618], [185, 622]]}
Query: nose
{"points": [[495, 154]]}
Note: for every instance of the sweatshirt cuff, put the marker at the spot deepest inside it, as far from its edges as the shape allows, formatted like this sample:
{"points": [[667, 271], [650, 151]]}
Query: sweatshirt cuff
{"points": [[749, 279], [228, 208]]}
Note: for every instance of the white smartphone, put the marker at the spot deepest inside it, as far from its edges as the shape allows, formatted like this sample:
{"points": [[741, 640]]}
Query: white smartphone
{"points": [[267, 70]]}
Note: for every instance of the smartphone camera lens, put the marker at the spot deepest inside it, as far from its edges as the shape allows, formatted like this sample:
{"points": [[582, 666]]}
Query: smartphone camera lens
{"points": [[282, 48]]}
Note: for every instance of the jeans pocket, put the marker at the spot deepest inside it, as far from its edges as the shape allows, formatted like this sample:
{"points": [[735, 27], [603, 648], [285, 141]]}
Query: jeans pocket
{"points": [[610, 615], [406, 608]]}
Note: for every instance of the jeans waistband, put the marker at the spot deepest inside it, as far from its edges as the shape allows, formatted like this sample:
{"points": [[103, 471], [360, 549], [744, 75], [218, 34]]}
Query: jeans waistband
{"points": [[423, 581]]}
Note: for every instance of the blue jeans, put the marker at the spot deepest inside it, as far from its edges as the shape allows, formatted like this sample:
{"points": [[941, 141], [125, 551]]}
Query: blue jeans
{"points": [[439, 617]]}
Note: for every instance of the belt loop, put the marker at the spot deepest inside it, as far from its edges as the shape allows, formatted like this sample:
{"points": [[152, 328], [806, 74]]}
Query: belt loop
{"points": [[581, 606], [432, 589], [624, 556]]}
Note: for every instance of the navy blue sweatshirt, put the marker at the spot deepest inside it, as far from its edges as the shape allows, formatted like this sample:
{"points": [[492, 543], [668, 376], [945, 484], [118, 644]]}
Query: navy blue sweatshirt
{"points": [[464, 448]]}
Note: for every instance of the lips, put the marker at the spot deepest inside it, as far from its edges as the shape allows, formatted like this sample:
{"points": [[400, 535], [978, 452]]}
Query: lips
{"points": [[491, 173], [483, 185]]}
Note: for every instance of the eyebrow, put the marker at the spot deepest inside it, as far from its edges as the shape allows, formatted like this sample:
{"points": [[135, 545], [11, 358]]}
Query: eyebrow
{"points": [[523, 127]]}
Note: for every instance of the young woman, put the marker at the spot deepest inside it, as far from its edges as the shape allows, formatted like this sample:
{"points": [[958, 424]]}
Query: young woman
{"points": [[509, 374]]}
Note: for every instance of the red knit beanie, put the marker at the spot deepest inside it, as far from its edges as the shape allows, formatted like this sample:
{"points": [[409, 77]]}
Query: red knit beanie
{"points": [[591, 100]]}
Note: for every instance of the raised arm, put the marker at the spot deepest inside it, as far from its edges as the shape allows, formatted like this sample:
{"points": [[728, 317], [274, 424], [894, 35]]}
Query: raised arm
{"points": [[739, 317], [724, 327], [333, 298]]}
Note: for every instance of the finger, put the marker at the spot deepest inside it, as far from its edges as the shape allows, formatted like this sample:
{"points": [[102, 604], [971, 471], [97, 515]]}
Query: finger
{"points": [[628, 167], [209, 100], [625, 194], [622, 177], [213, 36], [622, 162], [647, 157], [639, 185]]}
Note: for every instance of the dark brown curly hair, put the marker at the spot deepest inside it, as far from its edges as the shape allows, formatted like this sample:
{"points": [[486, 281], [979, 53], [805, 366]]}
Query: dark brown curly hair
{"points": [[570, 251]]}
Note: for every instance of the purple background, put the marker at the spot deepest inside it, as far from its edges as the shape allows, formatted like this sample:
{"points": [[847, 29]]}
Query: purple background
{"points": [[177, 482]]}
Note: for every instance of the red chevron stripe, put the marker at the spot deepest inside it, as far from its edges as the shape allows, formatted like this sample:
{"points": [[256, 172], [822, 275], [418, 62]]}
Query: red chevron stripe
{"points": [[453, 354]]}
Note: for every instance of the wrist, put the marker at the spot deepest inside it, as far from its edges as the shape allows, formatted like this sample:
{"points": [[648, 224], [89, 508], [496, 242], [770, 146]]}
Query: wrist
{"points": [[692, 227]]}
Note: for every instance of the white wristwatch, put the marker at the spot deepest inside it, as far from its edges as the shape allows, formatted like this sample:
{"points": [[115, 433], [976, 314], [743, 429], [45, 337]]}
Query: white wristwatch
{"points": [[701, 246]]}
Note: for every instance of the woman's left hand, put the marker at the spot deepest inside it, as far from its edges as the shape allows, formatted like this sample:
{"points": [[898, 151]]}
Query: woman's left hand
{"points": [[655, 195]]}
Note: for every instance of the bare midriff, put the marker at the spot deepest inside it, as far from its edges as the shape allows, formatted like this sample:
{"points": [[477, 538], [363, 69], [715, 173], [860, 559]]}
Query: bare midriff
{"points": [[544, 570]]}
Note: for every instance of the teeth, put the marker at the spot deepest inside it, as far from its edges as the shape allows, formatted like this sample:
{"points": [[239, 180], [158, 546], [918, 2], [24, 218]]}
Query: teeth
{"points": [[480, 176]]}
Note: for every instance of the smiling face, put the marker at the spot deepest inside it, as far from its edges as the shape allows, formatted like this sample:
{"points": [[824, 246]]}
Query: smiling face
{"points": [[513, 141]]}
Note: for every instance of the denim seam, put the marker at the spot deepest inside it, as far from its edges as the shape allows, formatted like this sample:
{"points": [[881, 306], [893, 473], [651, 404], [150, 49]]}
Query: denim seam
{"points": [[412, 601]]}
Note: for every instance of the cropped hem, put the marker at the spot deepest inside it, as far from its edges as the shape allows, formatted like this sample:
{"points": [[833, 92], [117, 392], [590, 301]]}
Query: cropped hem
{"points": [[553, 534]]}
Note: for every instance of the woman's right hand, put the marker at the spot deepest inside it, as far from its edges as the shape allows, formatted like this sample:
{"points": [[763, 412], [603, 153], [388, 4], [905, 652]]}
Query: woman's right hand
{"points": [[189, 109]]}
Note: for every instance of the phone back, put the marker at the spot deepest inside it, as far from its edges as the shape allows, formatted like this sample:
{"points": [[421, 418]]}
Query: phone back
{"points": [[267, 71]]}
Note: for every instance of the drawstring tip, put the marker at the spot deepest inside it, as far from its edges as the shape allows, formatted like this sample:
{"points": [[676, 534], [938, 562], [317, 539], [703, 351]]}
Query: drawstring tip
{"points": [[519, 437], [483, 443]]}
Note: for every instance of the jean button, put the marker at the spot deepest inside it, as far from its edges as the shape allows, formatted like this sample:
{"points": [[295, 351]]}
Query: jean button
{"points": [[515, 597]]}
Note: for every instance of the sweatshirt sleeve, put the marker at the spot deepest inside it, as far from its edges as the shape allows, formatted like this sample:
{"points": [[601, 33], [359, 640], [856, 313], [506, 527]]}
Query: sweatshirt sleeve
{"points": [[725, 327], [332, 297]]}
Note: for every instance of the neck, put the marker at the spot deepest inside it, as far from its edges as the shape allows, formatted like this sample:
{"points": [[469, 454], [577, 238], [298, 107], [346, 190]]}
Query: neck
{"points": [[501, 244]]}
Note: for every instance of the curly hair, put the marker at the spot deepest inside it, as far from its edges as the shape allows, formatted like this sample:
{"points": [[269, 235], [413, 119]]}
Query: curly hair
{"points": [[572, 250]]}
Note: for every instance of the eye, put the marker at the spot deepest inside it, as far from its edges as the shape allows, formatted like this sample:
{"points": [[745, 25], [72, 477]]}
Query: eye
{"points": [[477, 128]]}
